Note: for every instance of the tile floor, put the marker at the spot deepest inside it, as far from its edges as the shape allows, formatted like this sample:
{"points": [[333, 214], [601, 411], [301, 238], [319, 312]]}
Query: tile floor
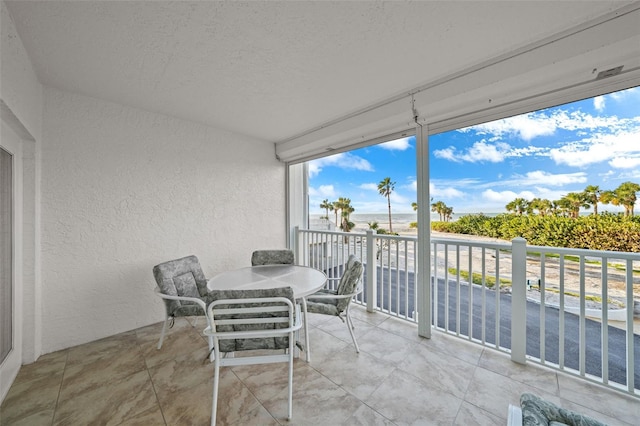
{"points": [[398, 378]]}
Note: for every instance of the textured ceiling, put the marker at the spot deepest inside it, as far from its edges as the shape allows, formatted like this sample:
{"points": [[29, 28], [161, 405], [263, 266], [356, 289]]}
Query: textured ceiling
{"points": [[273, 70]]}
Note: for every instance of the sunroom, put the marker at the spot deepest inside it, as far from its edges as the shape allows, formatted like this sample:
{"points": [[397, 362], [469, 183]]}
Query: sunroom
{"points": [[139, 132]]}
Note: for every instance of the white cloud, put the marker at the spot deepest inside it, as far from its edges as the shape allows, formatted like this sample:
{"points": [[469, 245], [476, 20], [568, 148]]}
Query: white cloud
{"points": [[599, 147], [526, 127], [599, 103], [344, 160], [446, 192], [479, 152], [625, 162], [505, 196], [369, 186], [396, 145], [323, 191], [559, 179], [446, 154]]}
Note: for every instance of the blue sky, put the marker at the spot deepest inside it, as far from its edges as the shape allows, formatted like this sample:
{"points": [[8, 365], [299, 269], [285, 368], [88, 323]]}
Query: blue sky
{"points": [[545, 154]]}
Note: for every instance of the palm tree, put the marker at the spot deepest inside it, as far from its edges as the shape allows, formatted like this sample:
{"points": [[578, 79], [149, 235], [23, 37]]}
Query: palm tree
{"points": [[575, 201], [448, 212], [414, 206], [519, 205], [440, 208], [385, 188], [337, 206], [592, 195], [542, 205], [625, 195], [327, 206]]}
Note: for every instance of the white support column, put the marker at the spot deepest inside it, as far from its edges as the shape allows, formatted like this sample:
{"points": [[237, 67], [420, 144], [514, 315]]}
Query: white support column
{"points": [[372, 279], [423, 277], [518, 300]]}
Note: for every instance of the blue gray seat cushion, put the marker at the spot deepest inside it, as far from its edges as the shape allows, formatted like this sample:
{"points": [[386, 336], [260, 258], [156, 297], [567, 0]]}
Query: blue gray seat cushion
{"points": [[272, 257], [537, 411], [323, 306], [181, 277], [233, 345]]}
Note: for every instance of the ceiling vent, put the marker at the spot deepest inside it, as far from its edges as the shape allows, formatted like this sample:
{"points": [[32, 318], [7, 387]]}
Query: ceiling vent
{"points": [[609, 73]]}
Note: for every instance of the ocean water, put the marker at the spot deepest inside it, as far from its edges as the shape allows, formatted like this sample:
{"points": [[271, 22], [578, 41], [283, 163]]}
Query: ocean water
{"points": [[397, 218]]}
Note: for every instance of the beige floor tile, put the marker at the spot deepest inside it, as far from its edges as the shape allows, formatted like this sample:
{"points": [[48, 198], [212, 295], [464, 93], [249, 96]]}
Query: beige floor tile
{"points": [[398, 378], [324, 345], [444, 372], [186, 346], [395, 348], [455, 347], [41, 418], [599, 398], [359, 312], [358, 373], [403, 328], [110, 402], [316, 401], [532, 374], [406, 400], [339, 329], [470, 415], [151, 417], [367, 416], [30, 397], [503, 391]]}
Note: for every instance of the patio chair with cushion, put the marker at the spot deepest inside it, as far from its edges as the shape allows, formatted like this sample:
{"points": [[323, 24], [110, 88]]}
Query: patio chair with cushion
{"points": [[183, 287], [535, 411], [337, 302], [246, 320], [272, 257]]}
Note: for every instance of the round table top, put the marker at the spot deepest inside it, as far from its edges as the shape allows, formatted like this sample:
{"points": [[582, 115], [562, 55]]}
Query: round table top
{"points": [[302, 279]]}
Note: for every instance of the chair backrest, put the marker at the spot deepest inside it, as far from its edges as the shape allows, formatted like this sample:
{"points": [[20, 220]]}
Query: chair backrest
{"points": [[272, 257], [244, 320], [180, 277], [350, 281]]}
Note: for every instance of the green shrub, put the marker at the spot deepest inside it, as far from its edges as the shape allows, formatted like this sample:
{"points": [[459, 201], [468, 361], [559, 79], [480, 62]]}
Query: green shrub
{"points": [[607, 231]]}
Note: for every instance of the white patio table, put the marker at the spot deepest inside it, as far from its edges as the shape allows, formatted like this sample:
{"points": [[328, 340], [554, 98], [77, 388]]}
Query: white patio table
{"points": [[302, 279]]}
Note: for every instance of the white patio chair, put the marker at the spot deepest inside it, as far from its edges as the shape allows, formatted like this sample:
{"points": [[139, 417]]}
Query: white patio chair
{"points": [[242, 320], [337, 302], [183, 288], [272, 257]]}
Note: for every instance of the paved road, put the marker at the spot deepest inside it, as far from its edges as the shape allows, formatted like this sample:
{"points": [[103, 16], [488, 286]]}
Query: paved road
{"points": [[617, 337]]}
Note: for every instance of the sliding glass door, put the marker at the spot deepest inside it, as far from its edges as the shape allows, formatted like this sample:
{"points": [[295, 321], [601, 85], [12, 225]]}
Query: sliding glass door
{"points": [[6, 254]]}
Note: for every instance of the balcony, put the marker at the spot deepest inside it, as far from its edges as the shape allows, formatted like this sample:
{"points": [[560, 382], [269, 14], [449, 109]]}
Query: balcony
{"points": [[398, 378], [546, 319]]}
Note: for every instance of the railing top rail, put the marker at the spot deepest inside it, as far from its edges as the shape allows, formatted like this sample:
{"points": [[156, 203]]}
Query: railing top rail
{"points": [[585, 252], [461, 242], [491, 245]]}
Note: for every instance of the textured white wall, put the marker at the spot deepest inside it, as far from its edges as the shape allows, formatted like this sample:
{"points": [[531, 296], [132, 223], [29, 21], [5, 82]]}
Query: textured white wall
{"points": [[20, 89], [124, 189], [21, 106]]}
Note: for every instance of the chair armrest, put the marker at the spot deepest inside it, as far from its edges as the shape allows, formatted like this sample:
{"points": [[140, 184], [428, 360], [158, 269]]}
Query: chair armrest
{"points": [[514, 416], [182, 299], [332, 296]]}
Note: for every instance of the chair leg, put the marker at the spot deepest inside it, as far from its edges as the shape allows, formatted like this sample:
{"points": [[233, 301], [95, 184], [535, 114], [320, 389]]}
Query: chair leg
{"points": [[216, 381], [164, 328], [307, 349], [212, 355], [350, 326], [291, 346]]}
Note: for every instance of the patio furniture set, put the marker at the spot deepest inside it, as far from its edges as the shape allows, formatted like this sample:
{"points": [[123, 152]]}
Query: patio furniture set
{"points": [[263, 307]]}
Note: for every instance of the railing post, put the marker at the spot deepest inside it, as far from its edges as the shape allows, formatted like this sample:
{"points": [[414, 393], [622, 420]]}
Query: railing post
{"points": [[296, 245], [518, 300], [372, 294]]}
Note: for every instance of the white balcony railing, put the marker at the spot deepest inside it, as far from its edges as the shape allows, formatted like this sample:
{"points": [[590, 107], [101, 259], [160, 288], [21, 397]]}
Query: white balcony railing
{"points": [[540, 304]]}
